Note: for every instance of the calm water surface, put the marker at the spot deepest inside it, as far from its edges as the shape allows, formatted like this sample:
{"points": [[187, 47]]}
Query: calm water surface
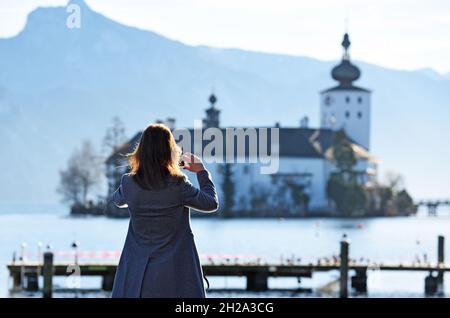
{"points": [[381, 239]]}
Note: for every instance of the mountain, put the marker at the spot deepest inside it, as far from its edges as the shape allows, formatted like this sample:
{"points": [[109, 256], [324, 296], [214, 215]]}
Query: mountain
{"points": [[60, 85]]}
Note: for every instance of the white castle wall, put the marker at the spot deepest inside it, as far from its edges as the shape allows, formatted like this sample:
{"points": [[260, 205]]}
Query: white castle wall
{"points": [[247, 176], [347, 109]]}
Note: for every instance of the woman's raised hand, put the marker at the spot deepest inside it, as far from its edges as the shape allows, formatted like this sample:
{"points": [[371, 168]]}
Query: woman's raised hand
{"points": [[192, 162]]}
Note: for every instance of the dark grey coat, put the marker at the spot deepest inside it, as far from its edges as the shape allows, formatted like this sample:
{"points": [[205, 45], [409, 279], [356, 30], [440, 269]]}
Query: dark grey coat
{"points": [[160, 258]]}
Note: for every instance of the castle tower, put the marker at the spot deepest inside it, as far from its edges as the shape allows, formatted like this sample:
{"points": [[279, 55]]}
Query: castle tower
{"points": [[347, 106], [212, 113]]}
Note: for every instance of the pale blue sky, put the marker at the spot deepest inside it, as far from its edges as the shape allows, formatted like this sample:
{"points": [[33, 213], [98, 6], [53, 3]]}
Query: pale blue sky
{"points": [[402, 34]]}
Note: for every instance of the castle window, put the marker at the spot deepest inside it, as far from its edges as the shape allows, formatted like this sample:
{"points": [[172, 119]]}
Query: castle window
{"points": [[347, 114], [359, 115], [347, 99], [359, 100]]}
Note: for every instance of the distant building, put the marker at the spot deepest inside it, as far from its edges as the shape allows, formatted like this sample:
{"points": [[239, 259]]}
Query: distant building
{"points": [[299, 187], [346, 105]]}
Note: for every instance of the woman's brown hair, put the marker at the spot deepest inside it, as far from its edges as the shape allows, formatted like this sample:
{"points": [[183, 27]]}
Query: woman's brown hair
{"points": [[155, 158]]}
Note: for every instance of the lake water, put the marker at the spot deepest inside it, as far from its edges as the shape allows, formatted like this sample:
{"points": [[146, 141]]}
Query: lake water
{"points": [[380, 239]]}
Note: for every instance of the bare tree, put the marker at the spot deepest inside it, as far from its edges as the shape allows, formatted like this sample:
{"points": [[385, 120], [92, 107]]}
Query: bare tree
{"points": [[82, 175], [394, 181], [115, 136], [70, 183]]}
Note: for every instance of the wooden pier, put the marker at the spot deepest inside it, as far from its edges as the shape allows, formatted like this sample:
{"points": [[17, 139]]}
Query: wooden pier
{"points": [[25, 274], [433, 205]]}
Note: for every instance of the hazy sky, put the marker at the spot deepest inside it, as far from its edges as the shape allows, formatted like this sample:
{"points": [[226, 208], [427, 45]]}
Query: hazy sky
{"points": [[402, 34]]}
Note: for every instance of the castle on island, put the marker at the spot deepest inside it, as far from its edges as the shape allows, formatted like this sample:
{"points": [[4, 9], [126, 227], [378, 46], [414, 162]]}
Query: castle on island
{"points": [[305, 154]]}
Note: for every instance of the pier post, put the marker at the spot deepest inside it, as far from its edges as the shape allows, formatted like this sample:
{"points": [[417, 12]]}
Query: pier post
{"points": [[359, 281], [440, 276], [108, 281], [343, 290], [22, 267], [32, 280], [432, 209], [257, 281], [17, 281], [47, 271], [431, 285]]}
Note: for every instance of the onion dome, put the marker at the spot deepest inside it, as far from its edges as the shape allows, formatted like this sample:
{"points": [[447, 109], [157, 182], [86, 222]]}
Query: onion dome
{"points": [[212, 100], [212, 113], [345, 72]]}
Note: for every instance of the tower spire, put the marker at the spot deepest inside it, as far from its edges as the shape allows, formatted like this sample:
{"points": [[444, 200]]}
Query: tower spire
{"points": [[346, 44], [212, 99], [212, 113], [345, 72], [347, 106]]}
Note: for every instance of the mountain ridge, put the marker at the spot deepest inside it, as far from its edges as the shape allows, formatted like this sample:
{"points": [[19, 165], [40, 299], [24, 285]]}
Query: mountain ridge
{"points": [[58, 86]]}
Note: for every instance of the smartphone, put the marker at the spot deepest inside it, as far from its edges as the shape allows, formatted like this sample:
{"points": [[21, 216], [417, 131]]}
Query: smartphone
{"points": [[181, 163]]}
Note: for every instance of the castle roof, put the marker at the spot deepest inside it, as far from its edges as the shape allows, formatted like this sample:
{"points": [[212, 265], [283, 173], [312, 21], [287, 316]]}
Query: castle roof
{"points": [[293, 142], [345, 72], [346, 88]]}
